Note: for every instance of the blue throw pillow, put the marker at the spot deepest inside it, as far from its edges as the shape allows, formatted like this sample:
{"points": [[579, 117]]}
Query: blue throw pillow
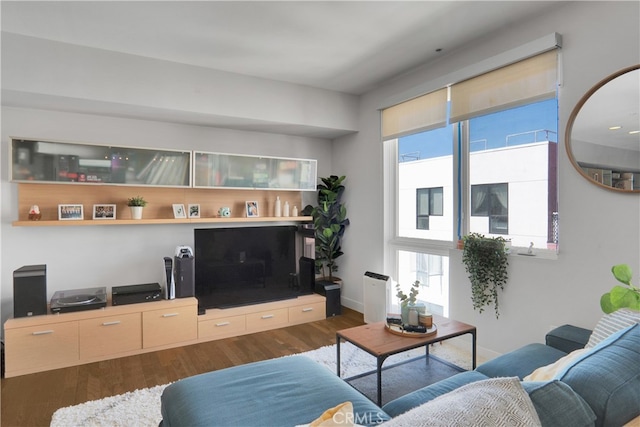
{"points": [[558, 405]]}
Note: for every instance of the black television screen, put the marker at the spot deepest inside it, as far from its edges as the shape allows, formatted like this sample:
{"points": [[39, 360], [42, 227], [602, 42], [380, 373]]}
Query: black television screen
{"points": [[246, 265]]}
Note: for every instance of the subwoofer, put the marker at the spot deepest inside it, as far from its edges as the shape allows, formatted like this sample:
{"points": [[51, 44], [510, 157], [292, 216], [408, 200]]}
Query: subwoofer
{"points": [[30, 290]]}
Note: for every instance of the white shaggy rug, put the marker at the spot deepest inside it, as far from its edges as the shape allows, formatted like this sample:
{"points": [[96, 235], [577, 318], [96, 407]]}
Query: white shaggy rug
{"points": [[141, 408]]}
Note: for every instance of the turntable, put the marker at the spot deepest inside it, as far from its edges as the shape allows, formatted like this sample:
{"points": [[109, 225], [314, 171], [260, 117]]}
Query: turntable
{"points": [[78, 300]]}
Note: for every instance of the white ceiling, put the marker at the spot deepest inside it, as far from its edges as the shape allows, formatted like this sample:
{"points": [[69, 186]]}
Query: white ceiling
{"points": [[337, 45], [344, 46]]}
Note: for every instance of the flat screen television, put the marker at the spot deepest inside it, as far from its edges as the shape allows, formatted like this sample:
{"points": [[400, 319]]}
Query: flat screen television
{"points": [[246, 265]]}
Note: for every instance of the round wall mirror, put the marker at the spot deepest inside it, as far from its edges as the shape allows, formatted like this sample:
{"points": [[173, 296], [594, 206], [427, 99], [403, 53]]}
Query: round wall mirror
{"points": [[603, 132]]}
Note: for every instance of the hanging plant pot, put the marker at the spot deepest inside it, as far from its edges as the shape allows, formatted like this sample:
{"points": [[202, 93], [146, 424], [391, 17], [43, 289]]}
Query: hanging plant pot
{"points": [[486, 261]]}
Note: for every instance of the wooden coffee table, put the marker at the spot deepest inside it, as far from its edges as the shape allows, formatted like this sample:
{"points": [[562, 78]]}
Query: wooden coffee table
{"points": [[380, 343]]}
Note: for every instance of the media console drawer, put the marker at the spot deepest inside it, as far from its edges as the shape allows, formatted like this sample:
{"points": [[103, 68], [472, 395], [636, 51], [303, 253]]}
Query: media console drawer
{"points": [[170, 325], [265, 320], [223, 327], [41, 347], [307, 313], [110, 335]]}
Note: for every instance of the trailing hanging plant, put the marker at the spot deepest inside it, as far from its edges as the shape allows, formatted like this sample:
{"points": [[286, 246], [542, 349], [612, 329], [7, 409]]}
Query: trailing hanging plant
{"points": [[621, 296], [486, 261]]}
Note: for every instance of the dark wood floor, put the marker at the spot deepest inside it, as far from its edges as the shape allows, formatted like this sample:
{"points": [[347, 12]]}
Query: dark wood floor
{"points": [[31, 400]]}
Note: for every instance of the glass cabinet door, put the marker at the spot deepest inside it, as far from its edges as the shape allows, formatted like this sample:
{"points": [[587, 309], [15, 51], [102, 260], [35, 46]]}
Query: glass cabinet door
{"points": [[250, 172], [46, 161]]}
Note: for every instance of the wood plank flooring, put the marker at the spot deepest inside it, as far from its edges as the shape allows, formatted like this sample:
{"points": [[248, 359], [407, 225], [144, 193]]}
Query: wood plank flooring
{"points": [[31, 400]]}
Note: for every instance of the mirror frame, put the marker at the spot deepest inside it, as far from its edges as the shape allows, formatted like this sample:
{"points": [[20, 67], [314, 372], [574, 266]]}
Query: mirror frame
{"points": [[572, 118]]}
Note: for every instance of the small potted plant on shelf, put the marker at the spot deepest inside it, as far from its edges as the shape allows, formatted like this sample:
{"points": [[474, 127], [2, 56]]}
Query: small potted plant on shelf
{"points": [[136, 204]]}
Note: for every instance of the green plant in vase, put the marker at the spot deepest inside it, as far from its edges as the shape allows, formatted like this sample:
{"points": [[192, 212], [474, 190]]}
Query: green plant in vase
{"points": [[409, 302]]}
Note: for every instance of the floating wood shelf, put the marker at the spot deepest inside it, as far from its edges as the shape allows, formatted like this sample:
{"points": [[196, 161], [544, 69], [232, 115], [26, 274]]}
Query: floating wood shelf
{"points": [[89, 222]]}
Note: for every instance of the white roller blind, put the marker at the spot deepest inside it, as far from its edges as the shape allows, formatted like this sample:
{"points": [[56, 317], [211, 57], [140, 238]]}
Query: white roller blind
{"points": [[529, 80], [418, 114]]}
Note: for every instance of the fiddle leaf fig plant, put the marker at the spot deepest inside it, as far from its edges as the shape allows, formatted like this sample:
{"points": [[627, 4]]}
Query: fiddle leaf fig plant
{"points": [[486, 261], [621, 296], [329, 221]]}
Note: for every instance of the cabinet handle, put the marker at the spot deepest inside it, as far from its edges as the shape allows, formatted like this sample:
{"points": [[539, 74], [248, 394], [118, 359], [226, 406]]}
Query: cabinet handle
{"points": [[267, 316], [115, 322], [170, 315], [305, 310], [50, 331], [223, 323]]}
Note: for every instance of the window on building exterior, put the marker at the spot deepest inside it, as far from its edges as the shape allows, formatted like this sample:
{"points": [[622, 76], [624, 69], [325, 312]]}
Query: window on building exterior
{"points": [[491, 201], [428, 203], [481, 159]]}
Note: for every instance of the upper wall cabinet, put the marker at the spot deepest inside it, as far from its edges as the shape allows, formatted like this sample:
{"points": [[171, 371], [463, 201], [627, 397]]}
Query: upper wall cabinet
{"points": [[48, 161], [217, 170]]}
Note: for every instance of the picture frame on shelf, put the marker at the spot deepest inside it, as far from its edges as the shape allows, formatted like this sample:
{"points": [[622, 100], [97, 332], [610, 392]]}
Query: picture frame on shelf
{"points": [[252, 209], [179, 211], [104, 211], [70, 212], [194, 210]]}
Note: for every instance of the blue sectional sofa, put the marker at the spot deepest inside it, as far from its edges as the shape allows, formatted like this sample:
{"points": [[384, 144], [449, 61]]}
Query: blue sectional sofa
{"points": [[600, 387]]}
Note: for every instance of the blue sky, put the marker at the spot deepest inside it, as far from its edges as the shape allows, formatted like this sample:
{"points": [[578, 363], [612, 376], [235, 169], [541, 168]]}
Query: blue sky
{"points": [[493, 128]]}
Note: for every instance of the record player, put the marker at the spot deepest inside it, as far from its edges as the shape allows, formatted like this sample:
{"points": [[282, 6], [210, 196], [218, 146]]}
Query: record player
{"points": [[78, 300]]}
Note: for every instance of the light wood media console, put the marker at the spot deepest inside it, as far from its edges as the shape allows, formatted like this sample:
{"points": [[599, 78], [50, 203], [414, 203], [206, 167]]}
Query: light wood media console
{"points": [[52, 341]]}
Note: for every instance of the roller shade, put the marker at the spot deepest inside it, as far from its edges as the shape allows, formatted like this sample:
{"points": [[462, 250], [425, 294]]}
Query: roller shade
{"points": [[418, 114], [530, 80]]}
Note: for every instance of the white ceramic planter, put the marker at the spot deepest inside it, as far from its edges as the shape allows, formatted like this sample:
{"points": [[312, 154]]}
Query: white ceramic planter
{"points": [[136, 212]]}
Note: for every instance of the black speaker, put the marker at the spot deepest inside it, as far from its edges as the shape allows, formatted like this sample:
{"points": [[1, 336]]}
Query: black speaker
{"points": [[332, 295], [184, 276], [30, 290], [307, 274]]}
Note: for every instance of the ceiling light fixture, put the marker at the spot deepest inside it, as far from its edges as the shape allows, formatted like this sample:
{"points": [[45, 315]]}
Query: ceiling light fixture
{"points": [[633, 132], [615, 127]]}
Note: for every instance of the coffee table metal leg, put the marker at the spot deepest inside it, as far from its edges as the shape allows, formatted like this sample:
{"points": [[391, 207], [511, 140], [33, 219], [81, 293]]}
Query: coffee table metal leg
{"points": [[380, 361], [338, 355], [426, 352], [473, 349]]}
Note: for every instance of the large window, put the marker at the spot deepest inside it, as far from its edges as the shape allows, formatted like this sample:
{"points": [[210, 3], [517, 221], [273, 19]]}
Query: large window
{"points": [[489, 166]]}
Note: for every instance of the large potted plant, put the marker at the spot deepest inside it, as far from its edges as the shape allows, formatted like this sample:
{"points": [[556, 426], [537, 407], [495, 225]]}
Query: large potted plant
{"points": [[329, 221], [486, 261]]}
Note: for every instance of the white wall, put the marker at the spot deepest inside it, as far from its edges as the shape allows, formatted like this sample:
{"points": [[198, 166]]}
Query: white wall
{"points": [[598, 228], [81, 257]]}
